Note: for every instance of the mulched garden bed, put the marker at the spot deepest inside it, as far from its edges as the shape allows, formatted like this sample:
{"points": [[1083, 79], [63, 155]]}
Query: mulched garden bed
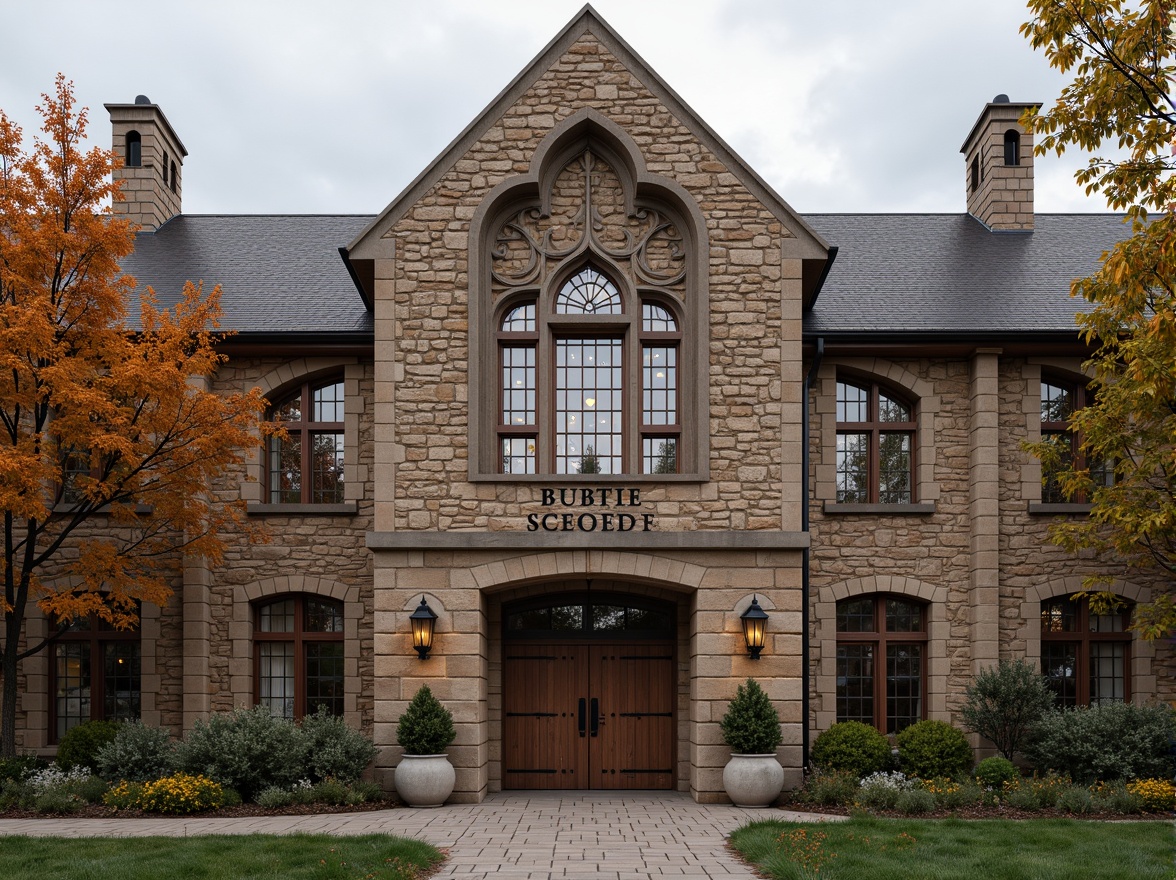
{"points": [[242, 811], [977, 811]]}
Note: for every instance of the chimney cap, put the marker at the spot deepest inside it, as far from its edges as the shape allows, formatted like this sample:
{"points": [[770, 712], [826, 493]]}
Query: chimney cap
{"points": [[143, 99], [1002, 98]]}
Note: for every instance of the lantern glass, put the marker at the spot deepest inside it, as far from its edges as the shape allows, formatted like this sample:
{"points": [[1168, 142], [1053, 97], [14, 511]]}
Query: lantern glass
{"points": [[754, 621], [423, 621]]}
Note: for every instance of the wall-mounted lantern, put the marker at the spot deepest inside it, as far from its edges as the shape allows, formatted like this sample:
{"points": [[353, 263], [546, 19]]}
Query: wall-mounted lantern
{"points": [[423, 620], [755, 621]]}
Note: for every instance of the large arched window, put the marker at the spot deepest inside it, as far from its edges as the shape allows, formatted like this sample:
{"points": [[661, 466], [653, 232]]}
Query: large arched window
{"points": [[881, 661], [609, 401], [1085, 657], [306, 467], [875, 445], [298, 655], [95, 674]]}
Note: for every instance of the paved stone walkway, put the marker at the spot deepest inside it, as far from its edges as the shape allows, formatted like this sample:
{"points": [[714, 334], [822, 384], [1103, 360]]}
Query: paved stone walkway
{"points": [[515, 836]]}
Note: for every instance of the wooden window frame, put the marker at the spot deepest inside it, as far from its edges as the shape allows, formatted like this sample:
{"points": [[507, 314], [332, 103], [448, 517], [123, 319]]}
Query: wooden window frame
{"points": [[97, 638], [1080, 398], [1082, 637], [298, 637], [304, 428], [875, 428], [880, 638]]}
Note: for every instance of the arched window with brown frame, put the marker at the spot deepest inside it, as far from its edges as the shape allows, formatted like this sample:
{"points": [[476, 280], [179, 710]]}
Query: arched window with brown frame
{"points": [[298, 655], [875, 444], [1060, 399], [306, 466], [95, 674], [881, 661], [1085, 657]]}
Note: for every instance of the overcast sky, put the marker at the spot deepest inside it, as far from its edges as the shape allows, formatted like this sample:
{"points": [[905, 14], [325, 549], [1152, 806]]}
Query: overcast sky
{"points": [[332, 106]]}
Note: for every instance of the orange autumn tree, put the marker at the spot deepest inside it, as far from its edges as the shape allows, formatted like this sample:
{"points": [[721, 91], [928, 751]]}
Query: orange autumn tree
{"points": [[109, 440]]}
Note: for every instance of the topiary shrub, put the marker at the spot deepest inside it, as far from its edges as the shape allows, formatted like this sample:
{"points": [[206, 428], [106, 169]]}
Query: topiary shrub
{"points": [[1105, 741], [751, 725], [79, 747], [333, 749], [852, 747], [426, 727], [1004, 702], [246, 749], [993, 773], [930, 749], [137, 753]]}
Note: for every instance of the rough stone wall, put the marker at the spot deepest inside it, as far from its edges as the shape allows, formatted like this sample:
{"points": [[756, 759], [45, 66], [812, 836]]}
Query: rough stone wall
{"points": [[432, 315]]}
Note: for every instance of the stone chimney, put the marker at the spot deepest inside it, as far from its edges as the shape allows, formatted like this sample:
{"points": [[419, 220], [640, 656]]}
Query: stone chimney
{"points": [[153, 160], [998, 156]]}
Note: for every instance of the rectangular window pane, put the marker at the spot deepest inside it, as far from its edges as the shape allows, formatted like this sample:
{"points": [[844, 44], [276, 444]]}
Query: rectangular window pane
{"points": [[323, 617], [121, 681], [324, 677], [659, 385], [518, 386], [855, 615], [1051, 492], [326, 467], [589, 406], [1057, 404], [1059, 665], [286, 469], [891, 410], [1107, 671], [73, 685], [328, 403], [852, 464], [852, 403], [855, 683], [1059, 615], [278, 617], [659, 455], [276, 677], [904, 686], [518, 455], [894, 468], [903, 616]]}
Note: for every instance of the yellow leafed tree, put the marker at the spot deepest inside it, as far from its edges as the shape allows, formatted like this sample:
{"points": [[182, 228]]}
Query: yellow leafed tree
{"points": [[109, 440]]}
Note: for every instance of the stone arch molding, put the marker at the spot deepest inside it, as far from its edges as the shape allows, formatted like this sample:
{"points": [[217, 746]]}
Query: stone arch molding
{"points": [[1143, 652], [241, 632], [921, 393], [637, 567], [297, 371], [521, 209], [936, 659]]}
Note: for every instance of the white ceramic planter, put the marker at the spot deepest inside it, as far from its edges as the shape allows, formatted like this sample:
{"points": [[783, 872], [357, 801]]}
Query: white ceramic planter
{"points": [[425, 780], [753, 780]]}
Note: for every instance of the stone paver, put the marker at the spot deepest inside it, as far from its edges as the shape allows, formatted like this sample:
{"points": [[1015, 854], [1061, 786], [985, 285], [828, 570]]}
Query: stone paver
{"points": [[514, 836]]}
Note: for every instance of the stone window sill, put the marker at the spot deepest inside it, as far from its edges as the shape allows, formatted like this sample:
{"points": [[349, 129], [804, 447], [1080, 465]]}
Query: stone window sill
{"points": [[833, 508], [347, 508], [1038, 508]]}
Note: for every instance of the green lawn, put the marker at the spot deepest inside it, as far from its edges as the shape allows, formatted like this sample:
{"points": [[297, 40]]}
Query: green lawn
{"points": [[946, 849], [317, 856]]}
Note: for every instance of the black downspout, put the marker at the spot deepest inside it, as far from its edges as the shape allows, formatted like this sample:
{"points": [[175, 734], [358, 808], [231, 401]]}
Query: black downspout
{"points": [[804, 574]]}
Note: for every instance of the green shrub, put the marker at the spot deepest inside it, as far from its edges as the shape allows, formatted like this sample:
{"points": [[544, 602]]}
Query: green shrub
{"points": [[1115, 797], [1076, 799], [15, 793], [993, 773], [930, 749], [124, 796], [246, 749], [852, 747], [367, 792], [832, 788], [878, 796], [79, 747], [335, 750], [426, 727], [915, 801], [20, 766], [274, 798], [137, 753], [1004, 702], [751, 725], [176, 794], [1105, 741], [1023, 797], [58, 800], [951, 795], [334, 792]]}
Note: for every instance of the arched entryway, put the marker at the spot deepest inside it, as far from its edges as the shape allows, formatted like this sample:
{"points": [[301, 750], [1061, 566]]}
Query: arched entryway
{"points": [[589, 692]]}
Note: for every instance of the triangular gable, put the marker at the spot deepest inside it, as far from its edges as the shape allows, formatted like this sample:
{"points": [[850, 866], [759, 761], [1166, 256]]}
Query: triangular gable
{"points": [[804, 243]]}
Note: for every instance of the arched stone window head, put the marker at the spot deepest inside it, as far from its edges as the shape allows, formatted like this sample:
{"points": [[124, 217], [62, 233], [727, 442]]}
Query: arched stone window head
{"points": [[134, 151]]}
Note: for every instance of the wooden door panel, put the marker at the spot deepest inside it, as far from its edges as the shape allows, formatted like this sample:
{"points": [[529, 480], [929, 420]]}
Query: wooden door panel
{"points": [[542, 746], [634, 747]]}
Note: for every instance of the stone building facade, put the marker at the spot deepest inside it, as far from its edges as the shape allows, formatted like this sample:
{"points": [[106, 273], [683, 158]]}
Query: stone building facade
{"points": [[589, 388]]}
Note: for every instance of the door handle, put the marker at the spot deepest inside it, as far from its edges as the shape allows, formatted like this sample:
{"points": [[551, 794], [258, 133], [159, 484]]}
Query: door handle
{"points": [[595, 716], [582, 712]]}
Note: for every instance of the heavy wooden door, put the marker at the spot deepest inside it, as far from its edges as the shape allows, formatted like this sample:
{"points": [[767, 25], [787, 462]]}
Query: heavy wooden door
{"points": [[588, 716]]}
